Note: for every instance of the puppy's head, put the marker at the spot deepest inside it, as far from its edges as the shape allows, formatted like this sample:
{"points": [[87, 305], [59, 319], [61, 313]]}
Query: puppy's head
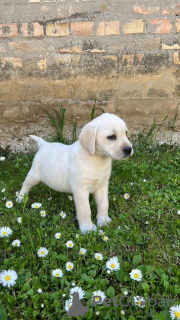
{"points": [[106, 136]]}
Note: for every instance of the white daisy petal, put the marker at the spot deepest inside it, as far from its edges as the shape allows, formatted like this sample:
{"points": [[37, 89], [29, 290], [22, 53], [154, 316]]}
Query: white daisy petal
{"points": [[16, 243], [57, 273], [42, 252], [100, 294], [98, 256], [69, 266], [8, 278], [113, 264], [9, 204], [69, 244], [136, 274], [5, 232], [82, 251], [79, 290], [175, 312]]}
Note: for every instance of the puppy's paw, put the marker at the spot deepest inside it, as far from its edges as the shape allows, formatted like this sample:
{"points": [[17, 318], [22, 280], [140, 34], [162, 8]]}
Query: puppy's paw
{"points": [[103, 221], [86, 228], [19, 199]]}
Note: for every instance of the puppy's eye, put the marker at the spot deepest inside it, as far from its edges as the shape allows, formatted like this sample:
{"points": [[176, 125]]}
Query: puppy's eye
{"points": [[113, 137], [126, 132]]}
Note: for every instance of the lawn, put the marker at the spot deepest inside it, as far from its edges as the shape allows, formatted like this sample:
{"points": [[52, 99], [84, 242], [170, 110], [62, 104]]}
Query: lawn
{"points": [[144, 235]]}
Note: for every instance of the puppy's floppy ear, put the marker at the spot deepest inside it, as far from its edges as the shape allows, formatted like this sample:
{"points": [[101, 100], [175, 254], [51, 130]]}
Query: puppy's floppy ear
{"points": [[87, 138]]}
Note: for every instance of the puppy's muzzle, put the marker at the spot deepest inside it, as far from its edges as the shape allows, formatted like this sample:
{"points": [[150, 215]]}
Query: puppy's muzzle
{"points": [[127, 151]]}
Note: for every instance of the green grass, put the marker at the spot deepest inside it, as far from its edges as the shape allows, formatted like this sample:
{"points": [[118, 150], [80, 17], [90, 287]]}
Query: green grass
{"points": [[144, 234]]}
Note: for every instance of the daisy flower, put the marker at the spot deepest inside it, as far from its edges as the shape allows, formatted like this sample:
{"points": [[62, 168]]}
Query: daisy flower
{"points": [[77, 236], [144, 180], [42, 252], [140, 301], [19, 220], [36, 205], [16, 243], [69, 244], [113, 264], [17, 193], [57, 273], [122, 312], [108, 271], [2, 158], [98, 256], [8, 278], [5, 232], [136, 274], [79, 290], [125, 292], [100, 294], [126, 196], [70, 198], [101, 232], [73, 284], [43, 213], [178, 212], [82, 251], [69, 266], [175, 312], [58, 235], [68, 304], [39, 290], [63, 214], [105, 238], [9, 204], [3, 190]]}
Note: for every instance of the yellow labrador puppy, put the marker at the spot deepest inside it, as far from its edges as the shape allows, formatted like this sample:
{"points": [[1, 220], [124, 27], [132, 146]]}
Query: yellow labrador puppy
{"points": [[83, 167]]}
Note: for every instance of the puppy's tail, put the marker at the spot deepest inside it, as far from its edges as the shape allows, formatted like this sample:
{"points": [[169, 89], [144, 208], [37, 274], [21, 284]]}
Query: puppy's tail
{"points": [[38, 140]]}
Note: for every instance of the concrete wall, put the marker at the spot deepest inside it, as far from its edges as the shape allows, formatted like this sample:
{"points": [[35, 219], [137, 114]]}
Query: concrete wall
{"points": [[123, 53]]}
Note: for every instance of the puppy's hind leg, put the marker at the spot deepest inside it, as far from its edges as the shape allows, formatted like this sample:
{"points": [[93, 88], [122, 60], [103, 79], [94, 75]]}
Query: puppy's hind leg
{"points": [[32, 179]]}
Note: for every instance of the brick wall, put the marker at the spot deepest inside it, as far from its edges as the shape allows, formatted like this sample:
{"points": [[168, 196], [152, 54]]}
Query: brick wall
{"points": [[123, 53]]}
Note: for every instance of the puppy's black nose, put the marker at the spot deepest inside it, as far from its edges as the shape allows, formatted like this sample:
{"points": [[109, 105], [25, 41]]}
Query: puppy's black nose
{"points": [[127, 150]]}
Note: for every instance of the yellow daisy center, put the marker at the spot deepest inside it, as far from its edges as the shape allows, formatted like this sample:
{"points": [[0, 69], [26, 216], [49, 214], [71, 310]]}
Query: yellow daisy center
{"points": [[59, 236], [177, 314], [57, 274], [113, 265], [97, 299], [81, 252], [98, 257], [139, 302], [16, 243], [7, 278], [4, 232], [42, 252], [69, 267], [136, 275], [70, 244]]}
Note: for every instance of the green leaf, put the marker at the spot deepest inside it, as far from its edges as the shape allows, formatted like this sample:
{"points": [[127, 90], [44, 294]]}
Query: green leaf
{"points": [[61, 257], [131, 318], [25, 287], [145, 287], [158, 316], [3, 314], [111, 292], [89, 314], [136, 260]]}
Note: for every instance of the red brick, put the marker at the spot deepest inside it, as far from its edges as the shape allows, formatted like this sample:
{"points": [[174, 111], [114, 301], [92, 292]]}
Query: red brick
{"points": [[176, 57], [128, 59], [178, 25], [16, 62], [33, 29], [57, 29], [172, 9], [164, 25], [145, 10], [136, 26], [82, 28], [108, 28], [8, 30]]}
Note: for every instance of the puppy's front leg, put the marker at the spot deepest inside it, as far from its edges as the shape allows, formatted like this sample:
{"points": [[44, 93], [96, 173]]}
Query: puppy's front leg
{"points": [[101, 198], [81, 198]]}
